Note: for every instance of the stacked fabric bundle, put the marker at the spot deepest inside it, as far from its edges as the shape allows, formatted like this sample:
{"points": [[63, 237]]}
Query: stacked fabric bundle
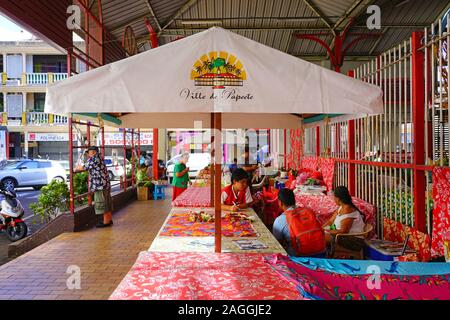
{"points": [[324, 206], [196, 197]]}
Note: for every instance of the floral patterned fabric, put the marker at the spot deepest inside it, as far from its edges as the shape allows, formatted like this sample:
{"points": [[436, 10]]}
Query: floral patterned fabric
{"points": [[311, 163], [178, 225], [197, 197], [203, 276], [98, 174], [441, 211], [327, 169], [324, 285], [296, 149], [419, 241], [324, 206]]}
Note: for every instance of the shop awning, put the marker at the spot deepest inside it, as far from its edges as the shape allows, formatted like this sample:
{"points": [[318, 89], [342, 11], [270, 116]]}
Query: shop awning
{"points": [[213, 71]]}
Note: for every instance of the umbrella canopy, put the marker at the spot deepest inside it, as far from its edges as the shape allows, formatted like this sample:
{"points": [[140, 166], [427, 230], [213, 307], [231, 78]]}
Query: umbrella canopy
{"points": [[213, 71]]}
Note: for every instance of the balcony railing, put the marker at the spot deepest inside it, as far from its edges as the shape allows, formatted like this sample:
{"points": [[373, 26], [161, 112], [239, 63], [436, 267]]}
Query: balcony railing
{"points": [[36, 78], [41, 118], [30, 79]]}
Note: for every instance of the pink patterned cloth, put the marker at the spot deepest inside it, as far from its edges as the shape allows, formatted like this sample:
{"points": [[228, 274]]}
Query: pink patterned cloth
{"points": [[441, 210], [311, 163], [203, 276], [327, 169], [197, 197], [324, 206]]}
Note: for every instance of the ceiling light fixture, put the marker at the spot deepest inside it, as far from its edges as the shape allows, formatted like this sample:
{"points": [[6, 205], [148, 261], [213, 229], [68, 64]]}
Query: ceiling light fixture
{"points": [[192, 22]]}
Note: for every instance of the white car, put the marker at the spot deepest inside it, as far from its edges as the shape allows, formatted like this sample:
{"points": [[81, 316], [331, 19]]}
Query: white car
{"points": [[31, 173], [196, 162], [115, 167]]}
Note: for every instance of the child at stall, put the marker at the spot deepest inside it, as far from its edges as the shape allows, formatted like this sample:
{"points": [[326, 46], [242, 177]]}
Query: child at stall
{"points": [[237, 195], [180, 176]]}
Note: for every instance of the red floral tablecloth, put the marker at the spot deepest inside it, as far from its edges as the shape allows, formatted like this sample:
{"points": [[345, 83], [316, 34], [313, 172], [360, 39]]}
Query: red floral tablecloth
{"points": [[324, 206], [441, 210], [197, 197], [178, 225], [419, 241], [203, 276]]}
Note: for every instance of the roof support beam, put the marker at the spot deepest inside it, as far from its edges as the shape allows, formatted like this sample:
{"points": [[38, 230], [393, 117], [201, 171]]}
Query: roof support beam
{"points": [[375, 45], [132, 21], [320, 14], [183, 9], [350, 11], [147, 2]]}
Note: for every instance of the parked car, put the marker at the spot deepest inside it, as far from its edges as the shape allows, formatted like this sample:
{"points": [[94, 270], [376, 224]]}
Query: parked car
{"points": [[115, 167], [66, 165], [31, 173], [196, 162]]}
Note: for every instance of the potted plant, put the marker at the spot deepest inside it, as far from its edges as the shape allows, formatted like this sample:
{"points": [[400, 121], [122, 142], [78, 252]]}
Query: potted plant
{"points": [[143, 184]]}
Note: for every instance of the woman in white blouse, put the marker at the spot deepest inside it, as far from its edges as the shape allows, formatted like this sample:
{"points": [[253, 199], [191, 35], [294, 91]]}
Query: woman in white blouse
{"points": [[346, 219]]}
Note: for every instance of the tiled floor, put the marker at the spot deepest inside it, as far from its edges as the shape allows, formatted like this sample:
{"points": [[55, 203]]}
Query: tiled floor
{"points": [[104, 257]]}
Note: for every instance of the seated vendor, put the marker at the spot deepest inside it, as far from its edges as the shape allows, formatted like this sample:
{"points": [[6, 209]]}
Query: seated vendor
{"points": [[237, 195], [346, 219]]}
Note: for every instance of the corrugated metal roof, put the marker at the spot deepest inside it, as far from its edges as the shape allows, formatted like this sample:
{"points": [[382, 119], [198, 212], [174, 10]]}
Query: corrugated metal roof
{"points": [[272, 22]]}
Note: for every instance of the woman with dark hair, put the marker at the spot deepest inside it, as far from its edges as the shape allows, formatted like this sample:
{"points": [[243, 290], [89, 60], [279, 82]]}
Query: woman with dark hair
{"points": [[347, 218]]}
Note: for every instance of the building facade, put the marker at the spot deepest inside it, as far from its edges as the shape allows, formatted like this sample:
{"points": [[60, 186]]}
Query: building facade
{"points": [[26, 69]]}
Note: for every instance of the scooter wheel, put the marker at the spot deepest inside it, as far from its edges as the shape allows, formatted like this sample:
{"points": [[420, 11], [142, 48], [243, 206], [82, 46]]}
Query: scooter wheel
{"points": [[18, 232]]}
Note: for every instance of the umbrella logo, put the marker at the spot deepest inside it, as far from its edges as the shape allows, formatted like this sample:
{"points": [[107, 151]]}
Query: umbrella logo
{"points": [[218, 70]]}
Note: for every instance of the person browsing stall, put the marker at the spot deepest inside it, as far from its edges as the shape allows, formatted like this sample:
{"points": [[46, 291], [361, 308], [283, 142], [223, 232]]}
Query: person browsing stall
{"points": [[100, 185], [237, 195], [180, 176]]}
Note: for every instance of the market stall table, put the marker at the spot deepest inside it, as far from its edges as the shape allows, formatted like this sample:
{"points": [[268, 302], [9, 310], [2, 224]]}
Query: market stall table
{"points": [[169, 240]]}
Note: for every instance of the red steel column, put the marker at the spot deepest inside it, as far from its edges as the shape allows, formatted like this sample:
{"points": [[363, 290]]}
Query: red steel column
{"points": [[217, 181], [212, 161], [155, 154], [125, 182], [285, 149], [318, 141], [72, 206], [103, 141], [88, 136], [418, 90], [351, 151], [132, 157]]}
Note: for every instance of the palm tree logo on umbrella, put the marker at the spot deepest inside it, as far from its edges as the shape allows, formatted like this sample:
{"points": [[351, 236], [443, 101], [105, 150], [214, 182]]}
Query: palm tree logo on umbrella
{"points": [[218, 71]]}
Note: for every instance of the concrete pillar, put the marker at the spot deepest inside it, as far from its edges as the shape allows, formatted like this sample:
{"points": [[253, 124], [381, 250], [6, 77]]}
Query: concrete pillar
{"points": [[4, 101], [4, 63], [24, 63], [25, 145], [162, 145], [24, 101]]}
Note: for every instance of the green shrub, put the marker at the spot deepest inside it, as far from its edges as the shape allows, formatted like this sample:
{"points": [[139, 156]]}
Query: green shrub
{"points": [[53, 200]]}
